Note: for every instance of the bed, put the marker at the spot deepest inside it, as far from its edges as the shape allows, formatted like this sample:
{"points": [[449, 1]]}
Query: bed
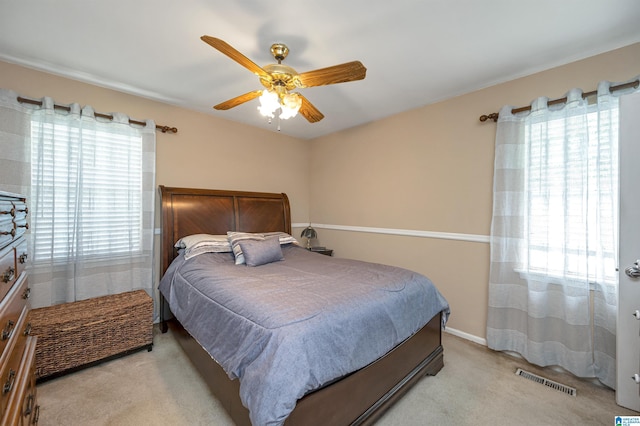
{"points": [[354, 397]]}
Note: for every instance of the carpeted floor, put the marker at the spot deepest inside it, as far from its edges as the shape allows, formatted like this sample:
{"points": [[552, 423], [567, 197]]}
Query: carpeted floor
{"points": [[476, 387]]}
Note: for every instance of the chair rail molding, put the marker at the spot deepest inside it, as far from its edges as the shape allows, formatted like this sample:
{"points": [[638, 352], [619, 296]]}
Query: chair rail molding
{"points": [[474, 238]]}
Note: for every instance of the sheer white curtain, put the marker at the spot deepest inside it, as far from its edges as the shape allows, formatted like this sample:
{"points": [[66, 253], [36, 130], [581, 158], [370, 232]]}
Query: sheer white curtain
{"points": [[15, 154], [91, 200], [553, 279]]}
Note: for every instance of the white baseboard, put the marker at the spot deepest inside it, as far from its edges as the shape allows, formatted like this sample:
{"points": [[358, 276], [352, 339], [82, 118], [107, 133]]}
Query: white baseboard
{"points": [[467, 336]]}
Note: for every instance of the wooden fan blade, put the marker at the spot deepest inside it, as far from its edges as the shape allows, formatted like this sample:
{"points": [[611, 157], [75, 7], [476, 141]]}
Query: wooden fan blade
{"points": [[238, 100], [228, 50], [309, 111], [343, 73]]}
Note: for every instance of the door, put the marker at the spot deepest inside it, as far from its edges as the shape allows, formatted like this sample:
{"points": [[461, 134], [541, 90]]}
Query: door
{"points": [[628, 327]]}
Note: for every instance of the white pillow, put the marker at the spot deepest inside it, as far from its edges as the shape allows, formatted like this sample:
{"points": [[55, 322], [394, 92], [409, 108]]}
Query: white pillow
{"points": [[203, 243], [283, 237], [198, 239]]}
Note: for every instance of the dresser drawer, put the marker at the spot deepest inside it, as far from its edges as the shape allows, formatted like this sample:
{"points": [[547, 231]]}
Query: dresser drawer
{"points": [[8, 273], [7, 212], [12, 310], [22, 408], [7, 209], [29, 409], [13, 261], [11, 363], [13, 220], [21, 256], [20, 211], [7, 231]]}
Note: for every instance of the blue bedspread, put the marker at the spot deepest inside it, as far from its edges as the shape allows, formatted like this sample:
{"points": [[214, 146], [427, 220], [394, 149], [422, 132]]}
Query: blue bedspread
{"points": [[286, 328]]}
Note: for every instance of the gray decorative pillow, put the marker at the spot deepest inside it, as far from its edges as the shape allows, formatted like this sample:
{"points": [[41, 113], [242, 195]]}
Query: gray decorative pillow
{"points": [[235, 238], [261, 252]]}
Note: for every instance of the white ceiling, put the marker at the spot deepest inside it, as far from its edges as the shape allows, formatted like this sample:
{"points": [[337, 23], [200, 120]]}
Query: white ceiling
{"points": [[416, 52]]}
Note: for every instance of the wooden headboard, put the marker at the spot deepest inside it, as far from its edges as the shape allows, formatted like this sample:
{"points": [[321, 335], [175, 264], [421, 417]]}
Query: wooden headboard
{"points": [[187, 211]]}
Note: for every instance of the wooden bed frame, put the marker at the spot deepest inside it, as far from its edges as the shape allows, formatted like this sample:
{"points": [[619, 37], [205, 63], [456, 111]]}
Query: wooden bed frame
{"points": [[357, 399]]}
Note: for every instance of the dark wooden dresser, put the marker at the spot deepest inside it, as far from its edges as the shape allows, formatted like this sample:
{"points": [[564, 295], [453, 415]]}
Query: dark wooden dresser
{"points": [[18, 403]]}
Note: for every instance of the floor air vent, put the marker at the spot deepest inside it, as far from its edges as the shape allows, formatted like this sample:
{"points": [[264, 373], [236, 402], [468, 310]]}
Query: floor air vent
{"points": [[550, 383]]}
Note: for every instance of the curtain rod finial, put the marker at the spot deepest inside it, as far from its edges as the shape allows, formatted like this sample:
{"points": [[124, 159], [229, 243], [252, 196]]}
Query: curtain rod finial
{"points": [[165, 129], [493, 116]]}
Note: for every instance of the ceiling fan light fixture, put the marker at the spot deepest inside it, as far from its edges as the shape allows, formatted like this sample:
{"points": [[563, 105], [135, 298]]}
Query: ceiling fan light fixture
{"points": [[291, 103], [269, 103]]}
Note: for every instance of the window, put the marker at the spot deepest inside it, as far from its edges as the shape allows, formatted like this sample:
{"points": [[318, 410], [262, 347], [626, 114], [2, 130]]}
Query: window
{"points": [[553, 280], [571, 181], [86, 189]]}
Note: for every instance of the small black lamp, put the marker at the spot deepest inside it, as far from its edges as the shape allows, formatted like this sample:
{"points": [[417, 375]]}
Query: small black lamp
{"points": [[309, 233]]}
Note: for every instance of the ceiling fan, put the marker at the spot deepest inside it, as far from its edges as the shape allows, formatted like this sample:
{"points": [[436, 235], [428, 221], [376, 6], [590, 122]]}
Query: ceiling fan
{"points": [[281, 80]]}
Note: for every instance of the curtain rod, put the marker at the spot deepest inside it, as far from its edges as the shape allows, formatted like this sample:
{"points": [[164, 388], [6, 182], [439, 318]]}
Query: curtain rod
{"points": [[494, 115], [163, 129]]}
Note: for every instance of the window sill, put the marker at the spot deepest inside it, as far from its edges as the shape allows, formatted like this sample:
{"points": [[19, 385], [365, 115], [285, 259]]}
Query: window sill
{"points": [[559, 280]]}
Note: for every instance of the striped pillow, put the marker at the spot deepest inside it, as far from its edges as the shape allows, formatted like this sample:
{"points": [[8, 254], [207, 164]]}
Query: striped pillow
{"points": [[234, 240], [283, 237], [196, 244]]}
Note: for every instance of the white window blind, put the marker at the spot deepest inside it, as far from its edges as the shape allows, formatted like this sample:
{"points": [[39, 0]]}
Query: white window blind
{"points": [[571, 207], [88, 191]]}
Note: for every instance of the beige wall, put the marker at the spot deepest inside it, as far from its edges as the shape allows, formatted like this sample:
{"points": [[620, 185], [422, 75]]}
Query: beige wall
{"points": [[431, 169], [428, 169], [207, 152]]}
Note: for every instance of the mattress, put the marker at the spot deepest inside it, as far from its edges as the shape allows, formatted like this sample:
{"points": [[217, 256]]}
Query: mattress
{"points": [[290, 327]]}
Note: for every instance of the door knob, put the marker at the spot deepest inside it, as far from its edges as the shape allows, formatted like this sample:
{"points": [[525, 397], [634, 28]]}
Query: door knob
{"points": [[636, 378], [634, 270], [636, 314]]}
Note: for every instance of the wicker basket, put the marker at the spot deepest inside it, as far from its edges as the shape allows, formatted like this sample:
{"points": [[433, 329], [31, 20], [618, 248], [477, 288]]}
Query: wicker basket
{"points": [[79, 334]]}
